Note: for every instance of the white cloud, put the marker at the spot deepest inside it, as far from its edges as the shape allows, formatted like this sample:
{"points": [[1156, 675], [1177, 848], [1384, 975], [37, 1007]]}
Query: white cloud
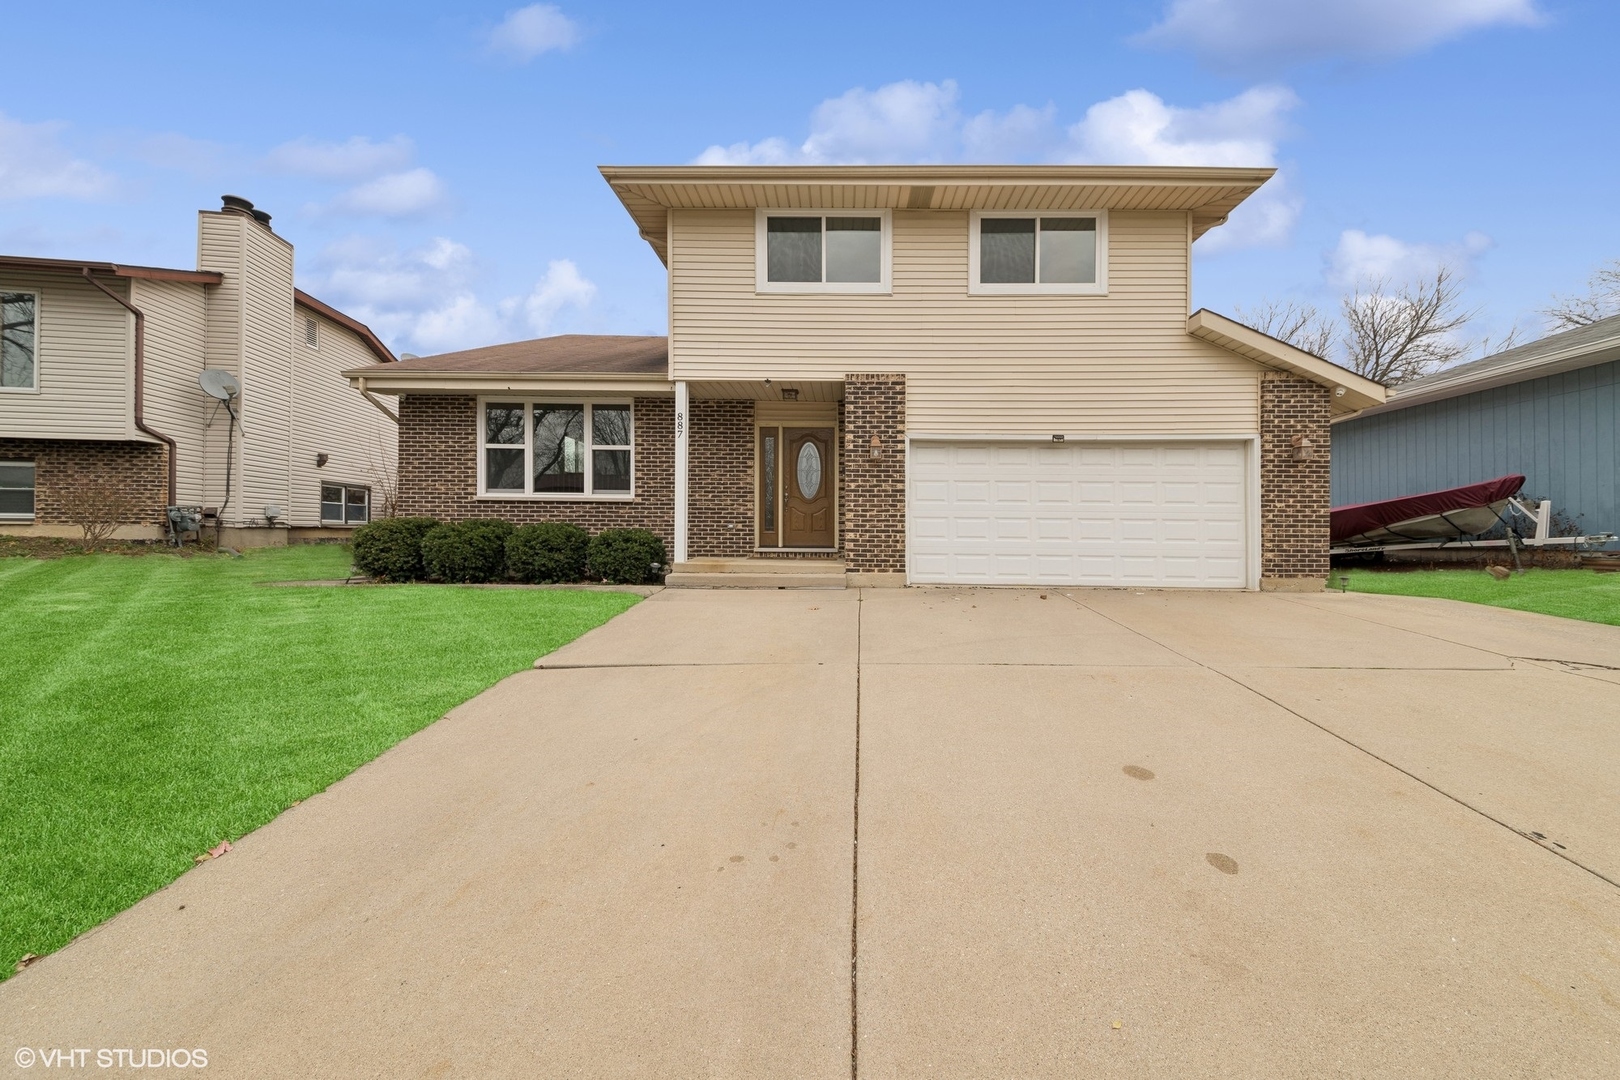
{"points": [[1265, 219], [1138, 128], [1362, 259], [1019, 133], [426, 300], [355, 158], [1251, 34], [412, 193], [903, 121], [529, 31], [35, 165]]}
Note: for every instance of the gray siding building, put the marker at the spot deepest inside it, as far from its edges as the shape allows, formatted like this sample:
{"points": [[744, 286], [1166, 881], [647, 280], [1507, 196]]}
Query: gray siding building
{"points": [[1547, 410]]}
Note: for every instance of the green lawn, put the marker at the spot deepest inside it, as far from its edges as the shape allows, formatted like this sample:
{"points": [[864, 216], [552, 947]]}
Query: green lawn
{"points": [[151, 706], [1572, 594]]}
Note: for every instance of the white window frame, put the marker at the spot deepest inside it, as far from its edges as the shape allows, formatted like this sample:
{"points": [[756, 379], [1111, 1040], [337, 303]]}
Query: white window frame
{"points": [[345, 488], [38, 304], [528, 494], [31, 464], [1015, 288], [762, 261]]}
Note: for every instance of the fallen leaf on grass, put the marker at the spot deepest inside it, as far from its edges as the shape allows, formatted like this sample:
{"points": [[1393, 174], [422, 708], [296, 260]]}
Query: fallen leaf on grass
{"points": [[214, 852], [26, 959]]}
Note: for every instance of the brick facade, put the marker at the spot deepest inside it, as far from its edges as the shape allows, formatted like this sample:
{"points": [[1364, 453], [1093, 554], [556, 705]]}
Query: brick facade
{"points": [[137, 471], [874, 488], [1294, 492], [720, 480], [438, 471]]}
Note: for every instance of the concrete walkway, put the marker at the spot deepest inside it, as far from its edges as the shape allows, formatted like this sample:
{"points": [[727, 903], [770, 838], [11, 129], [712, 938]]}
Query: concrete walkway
{"points": [[929, 833]]}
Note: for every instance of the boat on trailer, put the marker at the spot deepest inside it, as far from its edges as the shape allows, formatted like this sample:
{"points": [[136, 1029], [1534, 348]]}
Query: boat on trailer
{"points": [[1454, 517]]}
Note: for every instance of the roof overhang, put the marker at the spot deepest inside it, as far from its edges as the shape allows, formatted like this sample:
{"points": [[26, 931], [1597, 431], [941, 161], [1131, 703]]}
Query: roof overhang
{"points": [[1359, 392], [26, 264], [650, 192], [354, 326], [1441, 386], [386, 379]]}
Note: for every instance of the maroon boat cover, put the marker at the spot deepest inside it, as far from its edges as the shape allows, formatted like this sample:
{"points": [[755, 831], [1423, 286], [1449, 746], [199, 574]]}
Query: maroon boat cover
{"points": [[1349, 521]]}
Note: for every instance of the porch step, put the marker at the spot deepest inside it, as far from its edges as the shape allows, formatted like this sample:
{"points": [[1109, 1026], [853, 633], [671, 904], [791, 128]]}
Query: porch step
{"points": [[757, 574]]}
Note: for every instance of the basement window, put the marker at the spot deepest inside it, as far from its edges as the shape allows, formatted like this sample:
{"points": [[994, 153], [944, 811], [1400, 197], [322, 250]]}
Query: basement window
{"points": [[16, 491], [345, 504], [811, 251], [19, 313], [556, 449], [1065, 252]]}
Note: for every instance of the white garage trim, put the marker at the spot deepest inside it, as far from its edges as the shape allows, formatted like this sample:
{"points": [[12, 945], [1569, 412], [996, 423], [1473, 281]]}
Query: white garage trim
{"points": [[941, 566]]}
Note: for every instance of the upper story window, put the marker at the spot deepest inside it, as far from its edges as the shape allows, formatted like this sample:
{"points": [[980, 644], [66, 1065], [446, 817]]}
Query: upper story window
{"points": [[1064, 252], [556, 449], [812, 251], [19, 313]]}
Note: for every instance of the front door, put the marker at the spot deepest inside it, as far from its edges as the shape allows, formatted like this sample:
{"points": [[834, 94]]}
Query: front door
{"points": [[796, 487]]}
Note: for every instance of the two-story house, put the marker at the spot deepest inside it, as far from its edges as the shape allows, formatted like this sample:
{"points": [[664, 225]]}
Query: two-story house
{"points": [[931, 374], [101, 411]]}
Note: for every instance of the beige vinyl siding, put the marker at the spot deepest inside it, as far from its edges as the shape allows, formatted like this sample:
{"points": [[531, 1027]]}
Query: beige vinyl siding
{"points": [[330, 417], [176, 323], [267, 375], [222, 247], [1118, 364], [84, 363]]}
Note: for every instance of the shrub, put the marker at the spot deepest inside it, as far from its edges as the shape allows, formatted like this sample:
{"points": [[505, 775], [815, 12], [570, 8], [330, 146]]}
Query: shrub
{"points": [[626, 556], [468, 551], [390, 549], [547, 553]]}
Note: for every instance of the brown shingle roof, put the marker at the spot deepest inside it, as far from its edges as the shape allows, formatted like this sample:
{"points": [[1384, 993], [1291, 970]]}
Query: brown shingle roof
{"points": [[582, 354]]}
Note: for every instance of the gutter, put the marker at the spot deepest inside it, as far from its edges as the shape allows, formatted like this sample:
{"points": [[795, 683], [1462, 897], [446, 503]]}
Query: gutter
{"points": [[140, 382], [369, 396]]}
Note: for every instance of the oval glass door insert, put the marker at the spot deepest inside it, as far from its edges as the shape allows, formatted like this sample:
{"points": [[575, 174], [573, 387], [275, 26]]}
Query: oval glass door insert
{"points": [[809, 470]]}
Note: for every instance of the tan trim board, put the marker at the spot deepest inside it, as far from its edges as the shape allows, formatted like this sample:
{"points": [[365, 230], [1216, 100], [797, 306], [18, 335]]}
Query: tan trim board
{"points": [[1359, 391]]}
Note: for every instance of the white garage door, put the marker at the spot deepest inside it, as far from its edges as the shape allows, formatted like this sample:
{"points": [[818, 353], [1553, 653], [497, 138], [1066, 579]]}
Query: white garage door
{"points": [[1077, 514]]}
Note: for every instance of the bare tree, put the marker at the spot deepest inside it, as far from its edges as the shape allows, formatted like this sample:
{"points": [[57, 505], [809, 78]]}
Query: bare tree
{"points": [[384, 480], [1391, 336], [1602, 300], [98, 510], [1299, 324]]}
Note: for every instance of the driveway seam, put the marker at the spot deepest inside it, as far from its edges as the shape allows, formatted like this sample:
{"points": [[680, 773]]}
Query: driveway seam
{"points": [[1356, 746]]}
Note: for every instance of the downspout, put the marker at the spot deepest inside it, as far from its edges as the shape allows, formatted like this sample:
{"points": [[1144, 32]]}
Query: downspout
{"points": [[140, 382], [369, 396]]}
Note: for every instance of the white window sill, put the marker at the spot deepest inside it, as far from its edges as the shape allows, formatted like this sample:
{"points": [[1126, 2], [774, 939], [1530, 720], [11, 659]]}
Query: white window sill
{"points": [[16, 519], [822, 288], [1037, 290], [19, 389], [518, 496]]}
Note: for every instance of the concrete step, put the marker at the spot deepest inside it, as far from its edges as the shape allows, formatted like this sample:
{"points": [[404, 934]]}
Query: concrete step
{"points": [[757, 574]]}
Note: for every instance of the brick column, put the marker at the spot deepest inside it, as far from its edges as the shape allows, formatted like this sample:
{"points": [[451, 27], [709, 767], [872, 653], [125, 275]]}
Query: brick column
{"points": [[874, 488], [1294, 482], [720, 480]]}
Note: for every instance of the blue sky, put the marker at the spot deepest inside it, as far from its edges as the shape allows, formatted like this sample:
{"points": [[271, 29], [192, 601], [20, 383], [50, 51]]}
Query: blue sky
{"points": [[435, 165]]}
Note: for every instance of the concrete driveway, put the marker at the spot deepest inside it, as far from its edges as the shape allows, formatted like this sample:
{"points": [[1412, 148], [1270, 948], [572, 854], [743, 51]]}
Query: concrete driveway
{"points": [[929, 833]]}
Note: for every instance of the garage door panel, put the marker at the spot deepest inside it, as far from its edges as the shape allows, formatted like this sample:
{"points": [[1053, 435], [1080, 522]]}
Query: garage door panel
{"points": [[1090, 514]]}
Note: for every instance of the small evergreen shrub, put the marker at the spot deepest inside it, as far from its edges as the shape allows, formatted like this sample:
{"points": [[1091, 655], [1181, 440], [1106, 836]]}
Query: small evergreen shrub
{"points": [[390, 549], [468, 551], [626, 556], [549, 553]]}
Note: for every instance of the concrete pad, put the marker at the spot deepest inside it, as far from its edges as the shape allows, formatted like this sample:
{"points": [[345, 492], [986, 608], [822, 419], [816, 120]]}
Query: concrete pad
{"points": [[1536, 749], [997, 626], [715, 626], [573, 875], [1498, 630], [1020, 895], [1268, 630]]}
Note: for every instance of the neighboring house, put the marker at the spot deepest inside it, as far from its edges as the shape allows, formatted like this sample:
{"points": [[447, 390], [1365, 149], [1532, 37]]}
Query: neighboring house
{"points": [[1546, 410], [99, 396], [930, 374]]}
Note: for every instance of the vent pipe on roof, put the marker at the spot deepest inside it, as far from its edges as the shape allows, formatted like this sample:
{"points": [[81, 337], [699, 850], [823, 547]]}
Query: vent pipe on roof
{"points": [[262, 218], [235, 204]]}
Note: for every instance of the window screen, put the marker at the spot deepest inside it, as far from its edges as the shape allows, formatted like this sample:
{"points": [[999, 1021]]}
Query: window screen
{"points": [[16, 489]]}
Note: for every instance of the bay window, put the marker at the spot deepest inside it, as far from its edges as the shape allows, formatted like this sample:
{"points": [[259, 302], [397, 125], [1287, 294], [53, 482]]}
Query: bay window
{"points": [[538, 448]]}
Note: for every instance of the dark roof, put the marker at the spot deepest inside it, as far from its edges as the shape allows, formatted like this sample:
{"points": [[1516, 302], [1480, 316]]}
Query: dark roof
{"points": [[78, 266], [567, 354], [360, 329]]}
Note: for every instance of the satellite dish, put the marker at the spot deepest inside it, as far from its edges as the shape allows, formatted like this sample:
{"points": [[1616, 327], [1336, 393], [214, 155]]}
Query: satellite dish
{"points": [[219, 384]]}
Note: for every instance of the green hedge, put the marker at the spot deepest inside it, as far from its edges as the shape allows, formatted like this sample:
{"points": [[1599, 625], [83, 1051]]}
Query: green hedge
{"points": [[468, 551], [626, 556], [551, 552], [390, 549]]}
